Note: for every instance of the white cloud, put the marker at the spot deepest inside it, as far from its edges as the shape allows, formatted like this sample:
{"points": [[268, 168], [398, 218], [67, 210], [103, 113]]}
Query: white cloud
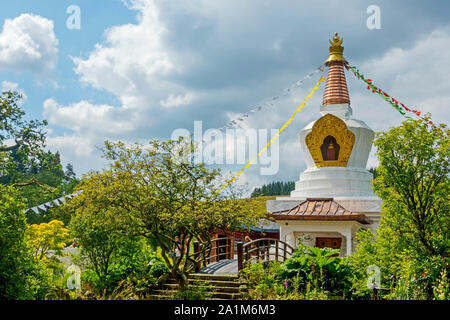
{"points": [[176, 101], [133, 62], [86, 119], [28, 43]]}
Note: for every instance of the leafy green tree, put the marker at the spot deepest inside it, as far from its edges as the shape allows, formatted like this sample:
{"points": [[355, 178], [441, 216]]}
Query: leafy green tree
{"points": [[24, 164], [413, 182], [99, 231], [274, 189], [411, 245], [28, 136], [21, 276], [42, 238], [162, 193]]}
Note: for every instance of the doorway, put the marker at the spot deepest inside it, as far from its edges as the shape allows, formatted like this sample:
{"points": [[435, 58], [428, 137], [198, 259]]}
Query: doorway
{"points": [[333, 243]]}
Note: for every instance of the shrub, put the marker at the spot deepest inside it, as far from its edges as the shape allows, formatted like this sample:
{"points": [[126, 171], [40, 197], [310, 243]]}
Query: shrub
{"points": [[42, 238], [133, 262], [192, 293], [21, 276], [321, 268], [310, 274]]}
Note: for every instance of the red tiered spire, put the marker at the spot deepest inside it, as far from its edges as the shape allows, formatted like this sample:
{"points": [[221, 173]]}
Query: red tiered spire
{"points": [[336, 91]]}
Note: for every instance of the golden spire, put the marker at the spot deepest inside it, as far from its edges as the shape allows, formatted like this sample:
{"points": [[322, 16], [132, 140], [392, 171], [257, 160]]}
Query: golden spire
{"points": [[336, 91], [336, 50]]}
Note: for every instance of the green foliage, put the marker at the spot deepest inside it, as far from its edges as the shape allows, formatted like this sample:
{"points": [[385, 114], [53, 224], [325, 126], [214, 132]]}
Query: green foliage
{"points": [[133, 262], [310, 273], [411, 245], [192, 293], [322, 267], [28, 136], [274, 189], [374, 172], [37, 174], [45, 237], [414, 183], [21, 276], [264, 282], [442, 289], [101, 238], [159, 193]]}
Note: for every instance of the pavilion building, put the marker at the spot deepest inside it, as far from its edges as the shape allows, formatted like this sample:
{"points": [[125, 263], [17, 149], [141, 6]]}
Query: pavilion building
{"points": [[333, 198]]}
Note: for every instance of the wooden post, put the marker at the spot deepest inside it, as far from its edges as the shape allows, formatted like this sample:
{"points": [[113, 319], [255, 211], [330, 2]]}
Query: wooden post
{"points": [[258, 249], [231, 248], [204, 258], [246, 253], [284, 253], [240, 255], [276, 250], [267, 250], [196, 255]]}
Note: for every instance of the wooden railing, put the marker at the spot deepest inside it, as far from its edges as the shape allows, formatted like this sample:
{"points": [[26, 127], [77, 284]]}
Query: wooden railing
{"points": [[221, 248], [265, 249]]}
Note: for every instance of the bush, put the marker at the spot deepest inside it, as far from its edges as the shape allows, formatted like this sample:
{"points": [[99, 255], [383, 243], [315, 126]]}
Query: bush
{"points": [[133, 262], [263, 280], [323, 269], [192, 293], [405, 274], [310, 274], [21, 276]]}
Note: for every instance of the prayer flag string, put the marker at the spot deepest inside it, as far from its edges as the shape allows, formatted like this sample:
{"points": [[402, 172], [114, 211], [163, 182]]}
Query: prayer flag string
{"points": [[275, 137]]}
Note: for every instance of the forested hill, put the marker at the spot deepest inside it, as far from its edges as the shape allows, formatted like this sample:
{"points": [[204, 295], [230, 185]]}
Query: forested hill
{"points": [[274, 189]]}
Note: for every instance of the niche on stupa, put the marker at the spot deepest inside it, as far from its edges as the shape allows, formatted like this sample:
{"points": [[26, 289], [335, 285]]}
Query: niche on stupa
{"points": [[330, 149], [330, 142]]}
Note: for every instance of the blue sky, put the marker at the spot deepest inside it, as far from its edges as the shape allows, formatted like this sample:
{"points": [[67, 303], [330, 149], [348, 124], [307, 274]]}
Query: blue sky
{"points": [[139, 69]]}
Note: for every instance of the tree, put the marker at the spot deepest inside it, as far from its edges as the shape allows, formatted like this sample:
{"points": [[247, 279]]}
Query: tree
{"points": [[28, 136], [23, 161], [413, 182], [21, 276], [411, 245], [274, 189], [42, 238], [99, 230], [164, 194]]}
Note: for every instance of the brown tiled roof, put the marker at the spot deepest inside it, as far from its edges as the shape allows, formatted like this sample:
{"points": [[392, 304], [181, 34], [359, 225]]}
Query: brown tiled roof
{"points": [[336, 91], [319, 209]]}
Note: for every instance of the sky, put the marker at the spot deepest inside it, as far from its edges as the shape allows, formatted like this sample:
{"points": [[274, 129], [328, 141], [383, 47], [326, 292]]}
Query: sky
{"points": [[137, 70]]}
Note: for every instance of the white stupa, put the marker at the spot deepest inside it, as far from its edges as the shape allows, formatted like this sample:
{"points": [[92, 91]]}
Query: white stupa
{"points": [[333, 198]]}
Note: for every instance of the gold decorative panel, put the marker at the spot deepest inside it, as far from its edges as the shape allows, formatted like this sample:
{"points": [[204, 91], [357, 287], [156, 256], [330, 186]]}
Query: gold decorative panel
{"points": [[333, 126]]}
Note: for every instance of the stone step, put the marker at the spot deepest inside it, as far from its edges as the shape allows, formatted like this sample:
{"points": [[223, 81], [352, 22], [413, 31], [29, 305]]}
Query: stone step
{"points": [[167, 297], [217, 286], [174, 286], [211, 277], [218, 283], [167, 294]]}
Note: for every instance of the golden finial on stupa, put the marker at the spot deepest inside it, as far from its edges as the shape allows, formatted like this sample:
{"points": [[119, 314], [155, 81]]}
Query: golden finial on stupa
{"points": [[336, 50]]}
